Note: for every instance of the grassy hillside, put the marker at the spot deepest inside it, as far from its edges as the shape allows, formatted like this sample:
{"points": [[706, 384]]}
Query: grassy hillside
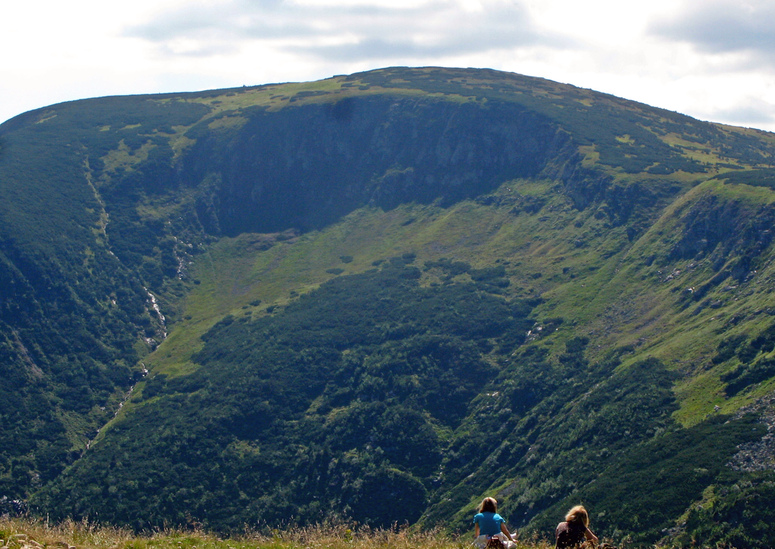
{"points": [[380, 297]]}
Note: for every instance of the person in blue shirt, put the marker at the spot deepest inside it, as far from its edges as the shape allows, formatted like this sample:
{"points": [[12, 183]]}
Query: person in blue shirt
{"points": [[488, 524]]}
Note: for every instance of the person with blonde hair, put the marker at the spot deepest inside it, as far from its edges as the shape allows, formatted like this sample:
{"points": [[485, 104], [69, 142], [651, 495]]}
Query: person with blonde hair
{"points": [[489, 524], [574, 532]]}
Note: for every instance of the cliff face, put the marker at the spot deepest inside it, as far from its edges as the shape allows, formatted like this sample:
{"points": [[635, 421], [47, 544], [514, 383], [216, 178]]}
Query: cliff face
{"points": [[387, 294], [307, 166]]}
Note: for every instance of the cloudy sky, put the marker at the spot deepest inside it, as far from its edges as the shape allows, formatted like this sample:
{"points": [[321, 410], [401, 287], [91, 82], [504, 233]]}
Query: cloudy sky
{"points": [[711, 59]]}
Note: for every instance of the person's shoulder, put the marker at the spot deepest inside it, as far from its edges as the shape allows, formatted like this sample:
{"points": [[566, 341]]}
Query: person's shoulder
{"points": [[478, 515]]}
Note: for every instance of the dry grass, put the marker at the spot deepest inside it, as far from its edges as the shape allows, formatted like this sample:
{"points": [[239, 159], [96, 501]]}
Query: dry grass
{"points": [[28, 534]]}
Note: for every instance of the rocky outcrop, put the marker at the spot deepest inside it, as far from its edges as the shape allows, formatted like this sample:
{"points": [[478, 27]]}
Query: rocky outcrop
{"points": [[758, 455]]}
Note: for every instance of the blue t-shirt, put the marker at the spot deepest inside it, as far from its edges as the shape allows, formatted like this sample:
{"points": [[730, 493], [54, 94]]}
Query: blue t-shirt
{"points": [[489, 523]]}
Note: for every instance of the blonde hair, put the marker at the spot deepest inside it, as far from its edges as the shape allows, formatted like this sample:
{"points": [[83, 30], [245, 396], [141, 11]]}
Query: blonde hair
{"points": [[489, 505], [578, 514]]}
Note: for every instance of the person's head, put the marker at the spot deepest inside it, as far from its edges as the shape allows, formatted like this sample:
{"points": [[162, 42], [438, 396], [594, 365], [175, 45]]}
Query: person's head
{"points": [[489, 505], [578, 514]]}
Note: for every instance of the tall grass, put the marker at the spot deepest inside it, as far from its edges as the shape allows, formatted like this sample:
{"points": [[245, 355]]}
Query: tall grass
{"points": [[21, 533]]}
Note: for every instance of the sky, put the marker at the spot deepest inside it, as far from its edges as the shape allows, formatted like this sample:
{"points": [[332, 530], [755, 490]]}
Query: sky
{"points": [[711, 59]]}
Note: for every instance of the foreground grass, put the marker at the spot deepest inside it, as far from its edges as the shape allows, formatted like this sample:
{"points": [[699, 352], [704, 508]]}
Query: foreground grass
{"points": [[28, 534]]}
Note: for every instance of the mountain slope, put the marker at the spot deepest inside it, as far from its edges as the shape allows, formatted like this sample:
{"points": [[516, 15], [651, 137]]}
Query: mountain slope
{"points": [[383, 296]]}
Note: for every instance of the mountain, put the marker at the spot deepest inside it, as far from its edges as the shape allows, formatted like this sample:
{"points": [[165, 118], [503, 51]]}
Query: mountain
{"points": [[382, 296]]}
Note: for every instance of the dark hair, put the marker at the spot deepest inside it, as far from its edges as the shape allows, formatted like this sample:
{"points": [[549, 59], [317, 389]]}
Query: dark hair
{"points": [[489, 505]]}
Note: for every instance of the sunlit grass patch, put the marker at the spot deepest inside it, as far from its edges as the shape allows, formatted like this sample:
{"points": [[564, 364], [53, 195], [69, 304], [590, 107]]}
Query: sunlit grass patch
{"points": [[20, 533]]}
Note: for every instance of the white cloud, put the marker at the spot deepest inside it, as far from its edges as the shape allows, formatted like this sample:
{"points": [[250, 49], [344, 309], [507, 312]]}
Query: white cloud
{"points": [[346, 32], [732, 50], [720, 26], [749, 110]]}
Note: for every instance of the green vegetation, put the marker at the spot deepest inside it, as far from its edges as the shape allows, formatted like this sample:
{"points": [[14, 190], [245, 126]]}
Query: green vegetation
{"points": [[380, 297], [361, 377], [729, 517], [654, 482]]}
